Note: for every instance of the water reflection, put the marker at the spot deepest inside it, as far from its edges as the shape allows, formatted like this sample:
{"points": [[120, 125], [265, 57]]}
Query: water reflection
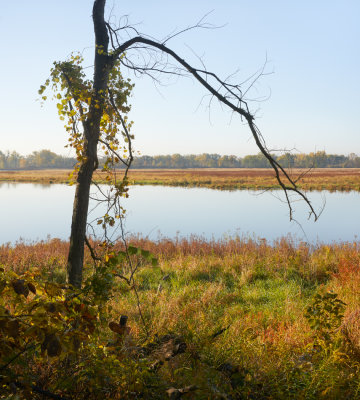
{"points": [[34, 211]]}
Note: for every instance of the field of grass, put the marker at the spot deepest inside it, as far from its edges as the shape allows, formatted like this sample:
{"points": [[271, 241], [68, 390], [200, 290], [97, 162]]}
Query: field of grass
{"points": [[343, 179], [241, 307]]}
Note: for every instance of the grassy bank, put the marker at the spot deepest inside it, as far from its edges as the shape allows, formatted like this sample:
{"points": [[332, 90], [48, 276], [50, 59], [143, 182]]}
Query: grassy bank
{"points": [[343, 179], [242, 308]]}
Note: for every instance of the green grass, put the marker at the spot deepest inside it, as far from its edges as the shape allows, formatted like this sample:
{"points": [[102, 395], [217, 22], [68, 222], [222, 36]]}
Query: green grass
{"points": [[257, 294]]}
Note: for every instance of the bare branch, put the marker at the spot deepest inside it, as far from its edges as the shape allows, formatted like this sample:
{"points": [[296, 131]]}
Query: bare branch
{"points": [[233, 99], [131, 157], [200, 24], [113, 151], [92, 252]]}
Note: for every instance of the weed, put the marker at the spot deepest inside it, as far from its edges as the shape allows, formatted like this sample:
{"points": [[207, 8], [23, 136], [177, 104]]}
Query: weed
{"points": [[282, 330]]}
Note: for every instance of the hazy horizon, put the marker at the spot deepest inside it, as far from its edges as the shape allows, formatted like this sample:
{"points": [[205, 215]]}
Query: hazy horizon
{"points": [[67, 153], [308, 98]]}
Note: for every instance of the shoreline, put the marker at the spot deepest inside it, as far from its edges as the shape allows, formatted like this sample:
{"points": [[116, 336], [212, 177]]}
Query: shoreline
{"points": [[332, 179]]}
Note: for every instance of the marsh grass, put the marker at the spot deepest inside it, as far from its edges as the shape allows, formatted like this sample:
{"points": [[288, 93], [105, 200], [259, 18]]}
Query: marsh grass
{"points": [[342, 179], [256, 293]]}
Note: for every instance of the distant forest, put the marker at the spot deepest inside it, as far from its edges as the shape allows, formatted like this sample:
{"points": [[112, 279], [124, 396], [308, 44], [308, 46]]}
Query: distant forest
{"points": [[47, 159]]}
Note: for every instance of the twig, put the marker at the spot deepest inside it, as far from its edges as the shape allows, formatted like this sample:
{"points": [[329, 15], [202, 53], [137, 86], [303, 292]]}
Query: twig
{"points": [[93, 255], [43, 392], [232, 98], [139, 309], [16, 356], [218, 333]]}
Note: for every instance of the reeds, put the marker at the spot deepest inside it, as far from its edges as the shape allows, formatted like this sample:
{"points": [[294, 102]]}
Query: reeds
{"points": [[344, 179], [253, 293]]}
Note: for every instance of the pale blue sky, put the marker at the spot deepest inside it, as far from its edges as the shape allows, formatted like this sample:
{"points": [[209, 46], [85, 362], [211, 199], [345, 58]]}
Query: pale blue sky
{"points": [[312, 49]]}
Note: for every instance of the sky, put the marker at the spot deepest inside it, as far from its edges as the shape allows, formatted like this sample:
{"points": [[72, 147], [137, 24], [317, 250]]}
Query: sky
{"points": [[310, 94]]}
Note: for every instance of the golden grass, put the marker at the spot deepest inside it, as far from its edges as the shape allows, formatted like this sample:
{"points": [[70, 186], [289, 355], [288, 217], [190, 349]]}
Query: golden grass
{"points": [[332, 179], [259, 292]]}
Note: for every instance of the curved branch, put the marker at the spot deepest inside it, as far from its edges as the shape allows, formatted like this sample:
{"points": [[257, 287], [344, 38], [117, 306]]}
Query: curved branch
{"points": [[113, 151], [131, 157], [241, 109]]}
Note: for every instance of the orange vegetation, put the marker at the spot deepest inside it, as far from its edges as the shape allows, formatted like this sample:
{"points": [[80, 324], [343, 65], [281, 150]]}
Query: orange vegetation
{"points": [[232, 178]]}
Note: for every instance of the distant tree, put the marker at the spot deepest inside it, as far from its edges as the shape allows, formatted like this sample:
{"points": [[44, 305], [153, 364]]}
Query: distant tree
{"points": [[13, 160], [228, 162], [287, 160], [177, 161], [353, 161], [352, 156], [48, 159], [94, 109], [2, 160], [257, 161]]}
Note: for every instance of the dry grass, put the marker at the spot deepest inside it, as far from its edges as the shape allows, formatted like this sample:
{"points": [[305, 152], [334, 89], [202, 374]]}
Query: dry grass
{"points": [[318, 179], [260, 292]]}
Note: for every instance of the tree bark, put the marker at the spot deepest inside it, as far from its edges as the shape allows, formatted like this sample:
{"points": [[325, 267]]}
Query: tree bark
{"points": [[102, 66], [79, 219]]}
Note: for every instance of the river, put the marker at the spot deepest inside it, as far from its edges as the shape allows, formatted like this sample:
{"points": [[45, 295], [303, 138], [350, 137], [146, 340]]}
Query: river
{"points": [[33, 212]]}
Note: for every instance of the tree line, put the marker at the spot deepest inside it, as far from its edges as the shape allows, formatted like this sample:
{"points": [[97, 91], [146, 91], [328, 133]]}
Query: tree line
{"points": [[48, 159]]}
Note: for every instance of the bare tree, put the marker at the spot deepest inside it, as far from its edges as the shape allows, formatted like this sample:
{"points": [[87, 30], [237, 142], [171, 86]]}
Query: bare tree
{"points": [[124, 44]]}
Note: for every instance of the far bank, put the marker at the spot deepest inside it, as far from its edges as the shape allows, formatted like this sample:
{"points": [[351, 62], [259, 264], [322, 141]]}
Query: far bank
{"points": [[333, 179]]}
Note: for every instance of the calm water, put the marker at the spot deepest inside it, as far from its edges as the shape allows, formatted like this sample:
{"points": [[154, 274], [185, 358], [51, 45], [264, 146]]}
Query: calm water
{"points": [[35, 211]]}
